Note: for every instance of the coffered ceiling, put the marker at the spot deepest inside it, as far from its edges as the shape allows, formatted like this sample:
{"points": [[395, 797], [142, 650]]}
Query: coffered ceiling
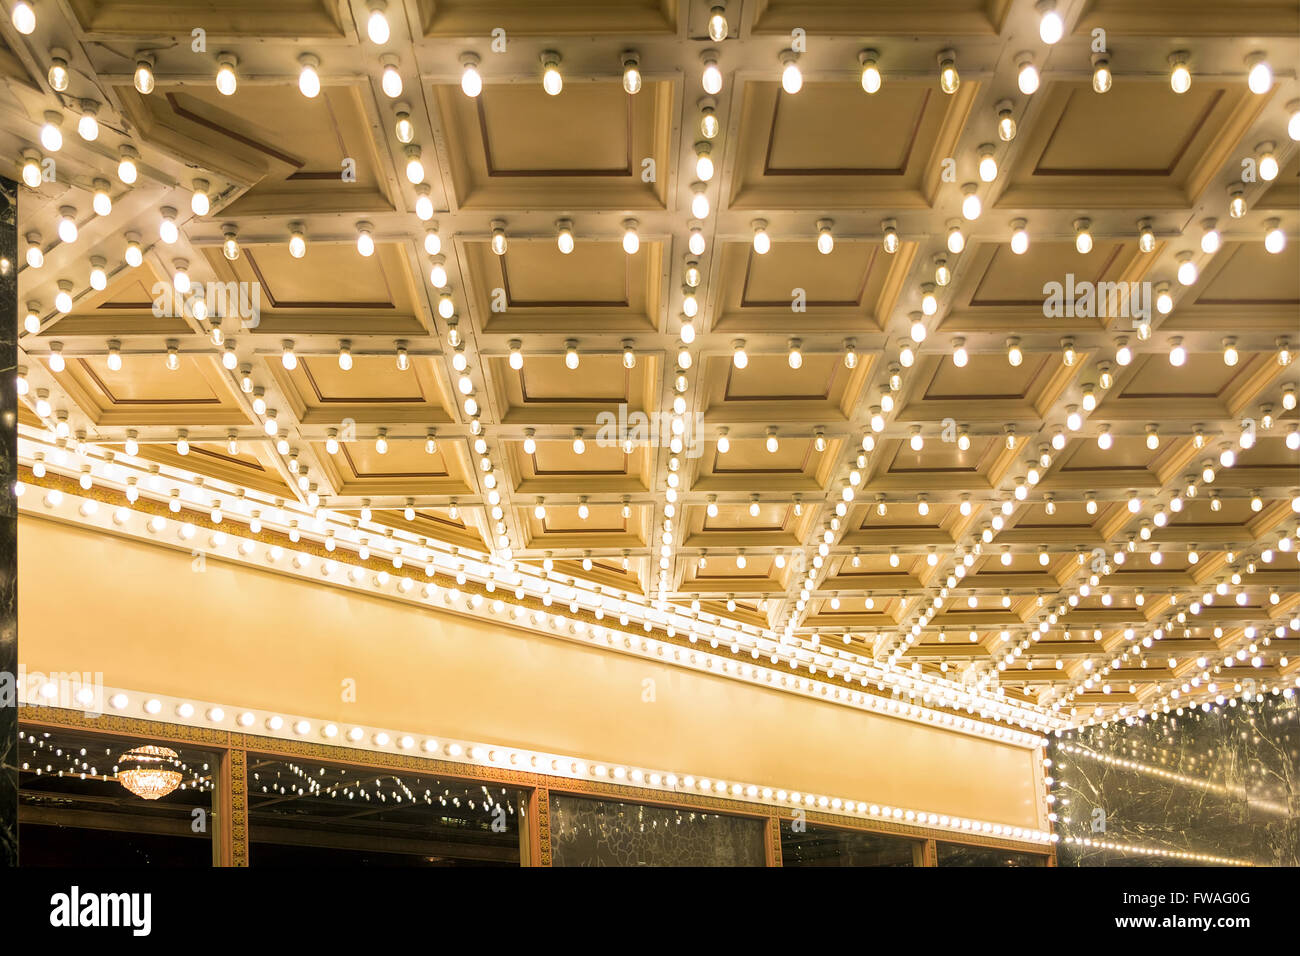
{"points": [[1058, 530]]}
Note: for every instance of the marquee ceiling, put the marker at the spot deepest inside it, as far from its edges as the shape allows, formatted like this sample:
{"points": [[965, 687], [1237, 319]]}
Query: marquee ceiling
{"points": [[967, 530]]}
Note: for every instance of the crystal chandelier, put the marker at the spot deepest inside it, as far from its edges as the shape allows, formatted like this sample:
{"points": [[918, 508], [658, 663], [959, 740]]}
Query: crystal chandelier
{"points": [[149, 771]]}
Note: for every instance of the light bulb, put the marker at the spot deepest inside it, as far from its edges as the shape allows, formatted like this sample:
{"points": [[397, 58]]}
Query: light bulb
{"points": [[571, 359], [552, 81], [167, 230], [403, 128], [889, 237], [1267, 163], [377, 22], [134, 254], [471, 81], [35, 257], [88, 125], [1102, 78], [1260, 78], [1177, 353], [1019, 237], [199, 202], [949, 79], [101, 202], [988, 165], [308, 77], [1006, 125], [345, 357], [724, 443], [771, 444], [98, 278], [126, 168], [390, 80], [1083, 236], [438, 273], [51, 135], [287, 357], [791, 78], [762, 241], [971, 207], [959, 354], [31, 174], [956, 240], [227, 82], [929, 306], [1180, 77], [1210, 239], [1014, 354], [144, 81], [498, 241], [365, 239], [795, 357], [825, 241], [67, 228], [24, 17], [414, 167], [631, 240], [718, 24], [1230, 354], [942, 274], [696, 243], [1187, 272], [1027, 78], [711, 80], [871, 79], [631, 74], [738, 356], [297, 244], [1274, 237]]}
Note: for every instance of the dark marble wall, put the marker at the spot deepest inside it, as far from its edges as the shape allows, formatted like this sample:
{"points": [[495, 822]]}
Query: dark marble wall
{"points": [[1224, 784], [8, 523]]}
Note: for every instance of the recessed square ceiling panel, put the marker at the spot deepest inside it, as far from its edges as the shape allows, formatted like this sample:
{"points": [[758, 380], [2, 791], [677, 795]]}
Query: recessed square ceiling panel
{"points": [[554, 467], [126, 307], [146, 392], [833, 146], [463, 18], [516, 146], [536, 288], [284, 18], [881, 17], [1064, 163], [1243, 276], [406, 468], [546, 390], [373, 390]]}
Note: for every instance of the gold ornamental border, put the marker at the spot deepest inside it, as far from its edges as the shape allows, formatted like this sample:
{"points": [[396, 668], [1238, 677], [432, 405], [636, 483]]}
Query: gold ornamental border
{"points": [[235, 746]]}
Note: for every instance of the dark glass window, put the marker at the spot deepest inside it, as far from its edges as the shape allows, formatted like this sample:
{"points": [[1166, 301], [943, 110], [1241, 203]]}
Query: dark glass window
{"points": [[803, 844], [82, 801], [310, 813], [587, 832], [961, 854]]}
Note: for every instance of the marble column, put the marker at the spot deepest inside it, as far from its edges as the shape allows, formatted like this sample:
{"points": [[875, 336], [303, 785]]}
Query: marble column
{"points": [[8, 523]]}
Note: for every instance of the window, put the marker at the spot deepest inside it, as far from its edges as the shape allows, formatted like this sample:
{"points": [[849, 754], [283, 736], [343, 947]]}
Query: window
{"points": [[803, 844]]}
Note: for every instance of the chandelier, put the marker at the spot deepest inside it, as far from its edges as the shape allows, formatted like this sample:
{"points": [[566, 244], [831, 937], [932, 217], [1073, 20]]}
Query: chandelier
{"points": [[149, 771]]}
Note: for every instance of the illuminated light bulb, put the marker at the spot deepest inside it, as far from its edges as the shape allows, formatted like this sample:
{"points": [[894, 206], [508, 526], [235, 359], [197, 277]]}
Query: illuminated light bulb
{"points": [[1293, 122], [98, 277], [345, 356], [929, 306], [949, 78], [871, 79], [711, 78], [1089, 398], [1180, 77], [1153, 438], [906, 354], [88, 125], [1006, 132], [403, 128], [414, 167], [1019, 237], [1083, 236], [552, 81], [498, 241], [1177, 353], [579, 446], [1236, 202], [791, 78], [297, 241], [795, 357], [1260, 77], [1073, 421], [571, 359], [1015, 356], [101, 201], [199, 202], [167, 230], [825, 241], [1104, 440], [127, 171], [24, 17], [1293, 438], [309, 77], [1134, 503], [1027, 76], [762, 241], [51, 135], [988, 165], [31, 171], [629, 358], [377, 22], [724, 443], [1268, 166], [916, 442], [67, 228], [287, 357], [1274, 237], [438, 273], [771, 444], [956, 239], [631, 73], [1230, 355], [182, 447], [390, 80], [1102, 78], [63, 298], [696, 243], [971, 207], [942, 274], [738, 356], [631, 238], [1289, 398], [1227, 456], [227, 81]]}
